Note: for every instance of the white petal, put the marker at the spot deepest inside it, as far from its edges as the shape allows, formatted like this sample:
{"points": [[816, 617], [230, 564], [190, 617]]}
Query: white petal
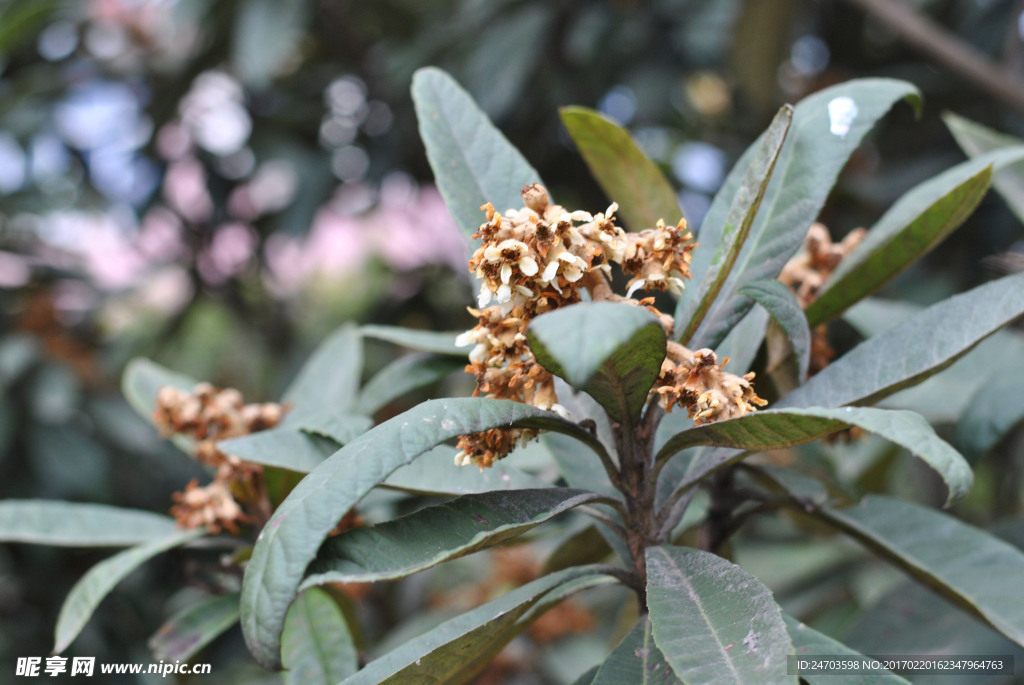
{"points": [[484, 297], [524, 291], [528, 265], [659, 244], [504, 294], [637, 285], [467, 338], [580, 215], [506, 272], [479, 353], [550, 271], [572, 273], [567, 257], [492, 254], [612, 208]]}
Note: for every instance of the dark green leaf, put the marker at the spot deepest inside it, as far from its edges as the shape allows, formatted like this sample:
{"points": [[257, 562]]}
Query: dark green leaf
{"points": [[456, 650], [742, 211], [68, 524], [921, 219], [976, 140], [776, 428], [436, 534], [783, 307], [91, 588], [977, 571], [636, 660], [920, 346], [612, 350], [317, 647], [287, 448], [194, 627], [329, 380], [810, 642], [419, 340], [825, 131], [403, 375], [472, 162], [626, 175], [20, 21], [293, 535], [713, 621]]}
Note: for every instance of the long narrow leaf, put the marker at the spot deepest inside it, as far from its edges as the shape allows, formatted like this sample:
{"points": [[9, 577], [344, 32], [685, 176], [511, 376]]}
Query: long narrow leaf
{"points": [[455, 650], [812, 643], [778, 301], [974, 569], [69, 524], [742, 212], [437, 534], [827, 127], [921, 219], [473, 162], [91, 588], [194, 627], [292, 537], [624, 172], [920, 346], [774, 429]]}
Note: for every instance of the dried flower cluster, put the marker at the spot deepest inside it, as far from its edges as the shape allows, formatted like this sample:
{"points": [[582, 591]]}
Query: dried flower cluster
{"points": [[808, 271], [696, 380], [536, 259], [208, 414]]}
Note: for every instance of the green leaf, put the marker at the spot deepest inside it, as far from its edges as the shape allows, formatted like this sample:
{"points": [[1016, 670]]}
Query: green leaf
{"points": [[403, 375], [918, 222], [339, 427], [810, 642], [612, 350], [434, 473], [776, 428], [68, 524], [976, 140], [456, 650], [945, 396], [293, 535], [920, 346], [436, 534], [626, 175], [317, 646], [816, 150], [636, 660], [473, 162], [993, 410], [329, 380], [194, 627], [975, 570], [91, 588], [286, 448], [415, 339], [20, 21], [742, 211], [778, 301], [713, 621]]}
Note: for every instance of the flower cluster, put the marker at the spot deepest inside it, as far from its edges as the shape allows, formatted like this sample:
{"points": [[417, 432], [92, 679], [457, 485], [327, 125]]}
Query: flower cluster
{"points": [[696, 380], [208, 414], [538, 258]]}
